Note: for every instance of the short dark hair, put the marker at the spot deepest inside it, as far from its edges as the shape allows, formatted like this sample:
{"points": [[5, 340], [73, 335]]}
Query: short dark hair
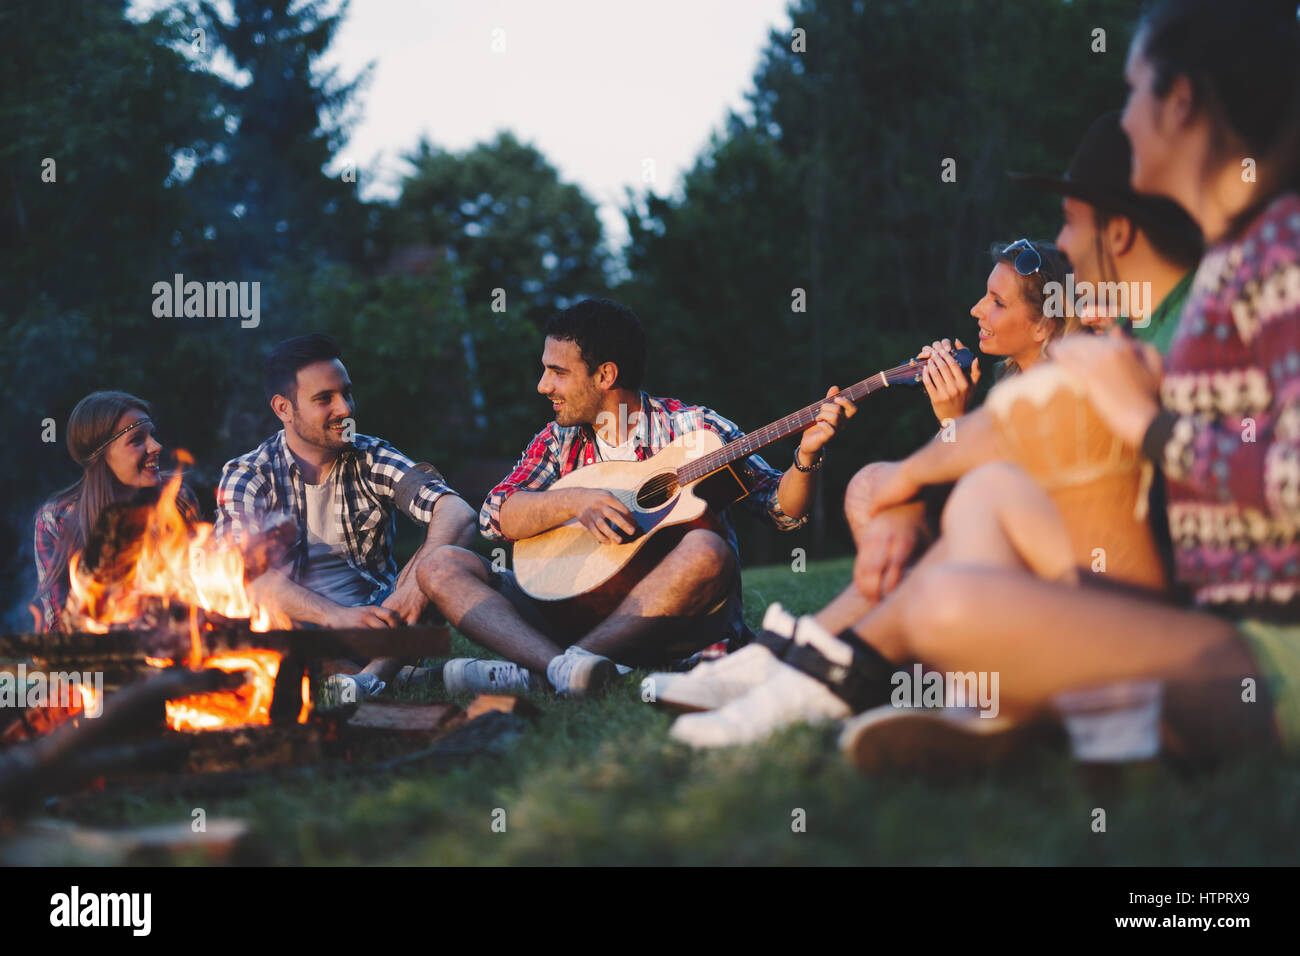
{"points": [[1174, 242], [280, 373], [604, 331]]}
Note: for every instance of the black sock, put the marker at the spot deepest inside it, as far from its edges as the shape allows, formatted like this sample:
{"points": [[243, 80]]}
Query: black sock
{"points": [[869, 662]]}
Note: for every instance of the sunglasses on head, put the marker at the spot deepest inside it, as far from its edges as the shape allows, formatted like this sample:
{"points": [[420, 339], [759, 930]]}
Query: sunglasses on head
{"points": [[1024, 257]]}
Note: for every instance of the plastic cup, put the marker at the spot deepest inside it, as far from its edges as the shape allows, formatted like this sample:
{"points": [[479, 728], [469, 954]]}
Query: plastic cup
{"points": [[1114, 723]]}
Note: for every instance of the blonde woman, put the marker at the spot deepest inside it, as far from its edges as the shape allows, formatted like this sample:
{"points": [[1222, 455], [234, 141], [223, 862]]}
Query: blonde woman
{"points": [[1014, 323]]}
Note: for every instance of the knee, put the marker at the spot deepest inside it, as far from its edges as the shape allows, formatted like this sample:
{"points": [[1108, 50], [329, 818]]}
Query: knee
{"points": [[941, 600], [988, 488], [708, 555], [439, 571], [857, 496]]}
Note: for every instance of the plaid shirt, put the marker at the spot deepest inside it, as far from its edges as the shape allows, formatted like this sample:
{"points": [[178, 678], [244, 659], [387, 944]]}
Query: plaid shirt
{"points": [[267, 481], [557, 450], [52, 596]]}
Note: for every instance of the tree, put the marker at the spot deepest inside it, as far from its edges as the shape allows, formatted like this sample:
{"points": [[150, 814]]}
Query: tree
{"points": [[289, 123], [518, 243], [831, 182]]}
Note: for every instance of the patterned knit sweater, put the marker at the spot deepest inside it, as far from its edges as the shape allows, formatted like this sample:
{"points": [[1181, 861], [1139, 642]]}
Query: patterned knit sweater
{"points": [[1228, 437]]}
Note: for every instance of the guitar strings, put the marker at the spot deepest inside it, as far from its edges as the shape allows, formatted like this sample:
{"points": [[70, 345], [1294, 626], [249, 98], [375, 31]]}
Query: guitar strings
{"points": [[779, 429]]}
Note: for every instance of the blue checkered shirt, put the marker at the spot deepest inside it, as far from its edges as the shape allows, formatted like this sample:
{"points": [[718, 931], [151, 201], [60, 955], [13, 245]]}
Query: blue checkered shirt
{"points": [[267, 481]]}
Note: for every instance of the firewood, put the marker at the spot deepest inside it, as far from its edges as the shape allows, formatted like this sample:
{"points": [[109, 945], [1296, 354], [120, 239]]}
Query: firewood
{"points": [[26, 769], [253, 748], [114, 542], [411, 718], [502, 703], [65, 649], [268, 547]]}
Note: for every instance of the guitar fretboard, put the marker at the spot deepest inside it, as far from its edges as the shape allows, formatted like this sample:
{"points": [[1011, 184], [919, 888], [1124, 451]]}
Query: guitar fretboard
{"points": [[790, 424]]}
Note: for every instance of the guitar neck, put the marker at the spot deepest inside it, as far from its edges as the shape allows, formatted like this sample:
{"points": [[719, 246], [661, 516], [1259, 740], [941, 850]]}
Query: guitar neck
{"points": [[789, 425]]}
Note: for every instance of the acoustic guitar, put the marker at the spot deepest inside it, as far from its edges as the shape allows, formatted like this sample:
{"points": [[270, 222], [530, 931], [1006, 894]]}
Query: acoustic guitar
{"points": [[683, 486]]}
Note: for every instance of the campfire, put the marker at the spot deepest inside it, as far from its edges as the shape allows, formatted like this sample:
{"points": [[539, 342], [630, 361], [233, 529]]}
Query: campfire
{"points": [[193, 680], [149, 570]]}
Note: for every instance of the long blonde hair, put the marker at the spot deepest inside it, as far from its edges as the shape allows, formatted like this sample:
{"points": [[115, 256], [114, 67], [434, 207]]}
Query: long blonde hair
{"points": [[90, 425]]}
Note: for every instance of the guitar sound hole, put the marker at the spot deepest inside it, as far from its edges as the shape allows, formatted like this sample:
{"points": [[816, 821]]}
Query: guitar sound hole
{"points": [[656, 491]]}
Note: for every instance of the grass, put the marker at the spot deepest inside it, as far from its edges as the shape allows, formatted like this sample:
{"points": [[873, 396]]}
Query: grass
{"points": [[601, 783]]}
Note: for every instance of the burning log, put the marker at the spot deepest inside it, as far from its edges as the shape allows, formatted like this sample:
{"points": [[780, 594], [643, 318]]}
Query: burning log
{"points": [[28, 769], [267, 548], [127, 647]]}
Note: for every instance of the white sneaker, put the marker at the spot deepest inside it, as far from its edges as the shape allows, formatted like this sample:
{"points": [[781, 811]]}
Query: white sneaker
{"points": [[470, 675], [579, 673], [789, 697], [713, 684], [340, 691]]}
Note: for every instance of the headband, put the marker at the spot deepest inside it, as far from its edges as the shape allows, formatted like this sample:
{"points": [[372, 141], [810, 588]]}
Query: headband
{"points": [[100, 450]]}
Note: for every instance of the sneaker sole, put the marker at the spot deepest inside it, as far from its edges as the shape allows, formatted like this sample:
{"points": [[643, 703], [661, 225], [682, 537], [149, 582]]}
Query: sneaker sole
{"points": [[924, 740]]}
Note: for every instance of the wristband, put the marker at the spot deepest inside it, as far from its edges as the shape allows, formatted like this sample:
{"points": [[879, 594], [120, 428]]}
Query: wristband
{"points": [[815, 466], [1157, 436]]}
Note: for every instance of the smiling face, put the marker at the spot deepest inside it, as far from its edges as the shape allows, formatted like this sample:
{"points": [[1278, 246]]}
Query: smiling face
{"points": [[1008, 324], [322, 403], [574, 392], [133, 458]]}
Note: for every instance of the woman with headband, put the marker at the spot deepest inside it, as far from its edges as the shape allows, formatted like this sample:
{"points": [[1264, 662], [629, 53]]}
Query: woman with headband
{"points": [[110, 435]]}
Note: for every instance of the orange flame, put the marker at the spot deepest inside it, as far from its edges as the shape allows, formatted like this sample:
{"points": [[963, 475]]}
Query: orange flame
{"points": [[178, 561]]}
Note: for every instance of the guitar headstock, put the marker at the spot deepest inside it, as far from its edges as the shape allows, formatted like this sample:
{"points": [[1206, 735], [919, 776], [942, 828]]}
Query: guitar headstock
{"points": [[910, 374]]}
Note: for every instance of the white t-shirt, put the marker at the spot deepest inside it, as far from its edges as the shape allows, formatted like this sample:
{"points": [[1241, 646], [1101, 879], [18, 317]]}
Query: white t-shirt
{"points": [[623, 452], [328, 572]]}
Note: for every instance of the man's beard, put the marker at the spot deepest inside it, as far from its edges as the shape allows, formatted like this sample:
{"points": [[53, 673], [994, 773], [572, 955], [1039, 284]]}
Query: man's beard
{"points": [[577, 411], [322, 437]]}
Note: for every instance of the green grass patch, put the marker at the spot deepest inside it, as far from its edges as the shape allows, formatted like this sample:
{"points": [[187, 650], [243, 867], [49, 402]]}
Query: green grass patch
{"points": [[600, 782]]}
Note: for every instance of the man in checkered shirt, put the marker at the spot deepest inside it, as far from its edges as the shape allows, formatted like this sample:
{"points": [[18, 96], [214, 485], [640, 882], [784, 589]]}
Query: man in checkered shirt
{"points": [[342, 490], [593, 359]]}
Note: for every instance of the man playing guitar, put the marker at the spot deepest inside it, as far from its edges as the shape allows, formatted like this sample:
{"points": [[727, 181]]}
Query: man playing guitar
{"points": [[689, 598]]}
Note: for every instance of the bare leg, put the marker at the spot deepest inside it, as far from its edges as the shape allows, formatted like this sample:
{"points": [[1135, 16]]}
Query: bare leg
{"points": [[1042, 637], [995, 517], [691, 579], [457, 582], [846, 609], [979, 601]]}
